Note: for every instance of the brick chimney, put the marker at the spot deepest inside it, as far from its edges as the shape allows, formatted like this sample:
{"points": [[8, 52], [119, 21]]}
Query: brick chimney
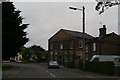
{"points": [[102, 31]]}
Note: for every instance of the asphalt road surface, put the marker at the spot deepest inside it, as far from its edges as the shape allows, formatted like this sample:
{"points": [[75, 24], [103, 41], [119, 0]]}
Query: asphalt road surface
{"points": [[40, 70]]}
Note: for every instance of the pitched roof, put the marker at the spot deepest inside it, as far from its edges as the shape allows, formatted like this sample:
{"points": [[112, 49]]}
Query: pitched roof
{"points": [[102, 37], [77, 34]]}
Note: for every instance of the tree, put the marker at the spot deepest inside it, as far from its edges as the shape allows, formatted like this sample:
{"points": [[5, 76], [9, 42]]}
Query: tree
{"points": [[103, 5], [26, 54], [13, 34], [38, 52], [37, 48]]}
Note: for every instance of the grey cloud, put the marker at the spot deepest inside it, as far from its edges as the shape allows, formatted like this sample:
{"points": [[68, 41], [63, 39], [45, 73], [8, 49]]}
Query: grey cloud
{"points": [[46, 18]]}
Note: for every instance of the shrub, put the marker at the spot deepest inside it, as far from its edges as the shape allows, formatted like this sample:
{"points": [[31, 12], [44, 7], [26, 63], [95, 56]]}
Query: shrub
{"points": [[70, 65], [100, 67]]}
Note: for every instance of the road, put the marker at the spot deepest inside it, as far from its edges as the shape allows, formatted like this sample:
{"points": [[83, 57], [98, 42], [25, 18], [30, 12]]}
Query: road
{"points": [[40, 70]]}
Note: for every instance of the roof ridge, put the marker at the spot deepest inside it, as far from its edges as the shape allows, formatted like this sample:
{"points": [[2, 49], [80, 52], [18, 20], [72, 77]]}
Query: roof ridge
{"points": [[71, 30], [74, 31], [77, 33]]}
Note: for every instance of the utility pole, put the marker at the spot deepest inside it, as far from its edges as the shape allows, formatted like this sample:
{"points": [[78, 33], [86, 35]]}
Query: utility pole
{"points": [[84, 54]]}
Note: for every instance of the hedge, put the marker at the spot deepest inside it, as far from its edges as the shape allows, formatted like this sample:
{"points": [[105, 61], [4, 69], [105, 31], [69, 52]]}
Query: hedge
{"points": [[104, 67], [69, 64], [99, 67]]}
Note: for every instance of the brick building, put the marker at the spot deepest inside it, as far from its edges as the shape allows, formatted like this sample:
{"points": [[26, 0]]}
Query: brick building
{"points": [[66, 44], [105, 44]]}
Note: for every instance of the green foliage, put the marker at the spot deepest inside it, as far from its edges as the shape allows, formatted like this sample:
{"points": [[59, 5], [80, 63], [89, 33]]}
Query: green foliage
{"points": [[99, 67], [103, 5], [37, 48], [26, 54], [13, 34], [65, 64], [6, 67], [69, 64], [46, 57], [39, 53]]}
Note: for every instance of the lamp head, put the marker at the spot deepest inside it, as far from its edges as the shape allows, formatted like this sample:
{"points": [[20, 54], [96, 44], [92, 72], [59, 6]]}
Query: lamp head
{"points": [[73, 8]]}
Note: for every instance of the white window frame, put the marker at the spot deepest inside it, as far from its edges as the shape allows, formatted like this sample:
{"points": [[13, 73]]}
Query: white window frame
{"points": [[94, 46], [71, 44], [80, 44], [86, 47], [51, 46], [61, 45]]}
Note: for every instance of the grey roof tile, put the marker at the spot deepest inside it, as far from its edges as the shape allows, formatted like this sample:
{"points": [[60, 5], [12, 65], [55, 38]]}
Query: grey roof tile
{"points": [[77, 34]]}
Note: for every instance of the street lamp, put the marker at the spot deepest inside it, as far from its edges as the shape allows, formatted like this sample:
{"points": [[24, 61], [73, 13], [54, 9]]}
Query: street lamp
{"points": [[83, 10]]}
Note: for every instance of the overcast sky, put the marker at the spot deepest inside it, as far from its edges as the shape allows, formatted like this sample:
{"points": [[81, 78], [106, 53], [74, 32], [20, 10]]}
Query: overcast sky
{"points": [[46, 18]]}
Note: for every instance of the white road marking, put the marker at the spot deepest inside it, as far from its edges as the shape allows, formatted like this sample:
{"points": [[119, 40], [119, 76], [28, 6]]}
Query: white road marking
{"points": [[47, 71], [90, 76], [50, 73]]}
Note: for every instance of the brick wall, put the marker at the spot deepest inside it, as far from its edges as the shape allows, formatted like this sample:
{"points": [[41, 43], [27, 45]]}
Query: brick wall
{"points": [[109, 45]]}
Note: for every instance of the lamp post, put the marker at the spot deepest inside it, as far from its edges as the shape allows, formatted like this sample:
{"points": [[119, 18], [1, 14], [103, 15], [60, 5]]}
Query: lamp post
{"points": [[83, 10]]}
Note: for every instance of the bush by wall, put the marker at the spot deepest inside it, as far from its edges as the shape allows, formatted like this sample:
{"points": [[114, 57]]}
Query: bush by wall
{"points": [[69, 64], [99, 67]]}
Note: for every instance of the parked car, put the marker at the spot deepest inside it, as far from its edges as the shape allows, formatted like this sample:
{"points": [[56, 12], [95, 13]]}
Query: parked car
{"points": [[53, 64], [104, 58]]}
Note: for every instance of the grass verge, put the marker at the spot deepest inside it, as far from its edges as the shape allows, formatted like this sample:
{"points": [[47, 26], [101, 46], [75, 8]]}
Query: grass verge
{"points": [[6, 67]]}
